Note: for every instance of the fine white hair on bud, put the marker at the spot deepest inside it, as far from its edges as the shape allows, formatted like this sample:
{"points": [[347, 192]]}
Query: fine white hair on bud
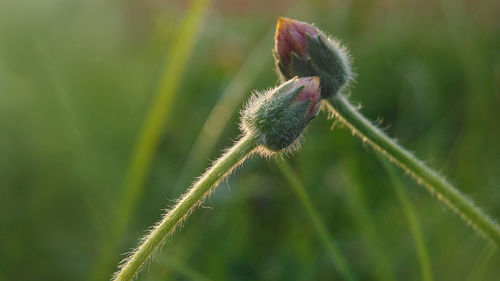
{"points": [[302, 50], [279, 116]]}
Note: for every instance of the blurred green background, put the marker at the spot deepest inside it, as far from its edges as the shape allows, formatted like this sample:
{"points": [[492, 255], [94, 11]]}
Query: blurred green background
{"points": [[78, 80]]}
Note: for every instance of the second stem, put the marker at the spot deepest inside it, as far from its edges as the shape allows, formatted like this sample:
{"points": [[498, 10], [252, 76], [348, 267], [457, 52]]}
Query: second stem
{"points": [[348, 115]]}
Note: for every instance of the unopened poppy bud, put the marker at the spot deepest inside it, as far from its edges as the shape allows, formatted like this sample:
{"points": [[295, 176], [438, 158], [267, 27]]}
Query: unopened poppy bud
{"points": [[303, 50], [279, 116]]}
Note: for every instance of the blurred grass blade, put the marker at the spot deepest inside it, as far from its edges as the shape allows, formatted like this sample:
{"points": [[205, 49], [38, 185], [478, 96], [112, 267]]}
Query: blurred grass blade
{"points": [[413, 221], [366, 224], [318, 224], [149, 136], [237, 89], [233, 95]]}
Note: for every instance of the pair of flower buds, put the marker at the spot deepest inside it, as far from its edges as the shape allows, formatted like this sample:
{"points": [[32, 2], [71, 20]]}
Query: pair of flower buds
{"points": [[316, 68]]}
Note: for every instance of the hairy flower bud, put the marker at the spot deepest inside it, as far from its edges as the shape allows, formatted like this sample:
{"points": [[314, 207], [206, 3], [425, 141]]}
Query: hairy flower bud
{"points": [[279, 115], [302, 50]]}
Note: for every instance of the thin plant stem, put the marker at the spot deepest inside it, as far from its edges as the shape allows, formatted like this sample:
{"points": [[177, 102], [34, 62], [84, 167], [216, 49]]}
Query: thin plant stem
{"points": [[231, 97], [194, 197], [413, 222], [366, 223], [349, 115], [148, 139], [319, 226], [157, 115]]}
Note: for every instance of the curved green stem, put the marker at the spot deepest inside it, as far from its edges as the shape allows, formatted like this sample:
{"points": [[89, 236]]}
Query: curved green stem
{"points": [[317, 222], [193, 198], [348, 115]]}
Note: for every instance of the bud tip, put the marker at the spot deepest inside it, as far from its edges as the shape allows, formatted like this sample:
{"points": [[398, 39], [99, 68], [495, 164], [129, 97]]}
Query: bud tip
{"points": [[311, 92], [291, 37]]}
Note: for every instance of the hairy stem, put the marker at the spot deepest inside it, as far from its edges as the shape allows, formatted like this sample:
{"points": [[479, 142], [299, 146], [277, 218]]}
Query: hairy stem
{"points": [[319, 226], [348, 115], [194, 197]]}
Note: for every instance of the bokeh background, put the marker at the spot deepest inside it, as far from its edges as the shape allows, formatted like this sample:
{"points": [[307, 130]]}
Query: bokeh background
{"points": [[89, 87]]}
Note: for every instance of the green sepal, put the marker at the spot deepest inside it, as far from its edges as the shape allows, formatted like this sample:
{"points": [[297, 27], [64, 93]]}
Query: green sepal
{"points": [[301, 67], [287, 129], [282, 71], [327, 58]]}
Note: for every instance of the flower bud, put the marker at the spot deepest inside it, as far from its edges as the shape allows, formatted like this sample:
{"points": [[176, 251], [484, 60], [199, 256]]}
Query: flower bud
{"points": [[279, 115], [302, 50]]}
